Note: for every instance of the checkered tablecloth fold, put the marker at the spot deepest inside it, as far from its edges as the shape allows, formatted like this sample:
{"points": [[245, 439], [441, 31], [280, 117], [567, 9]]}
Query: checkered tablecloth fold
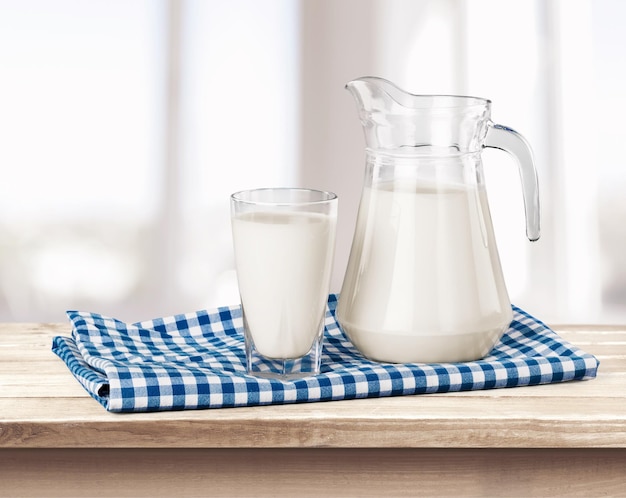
{"points": [[197, 360]]}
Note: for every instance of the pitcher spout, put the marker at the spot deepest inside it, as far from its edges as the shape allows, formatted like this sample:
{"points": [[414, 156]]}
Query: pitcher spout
{"points": [[393, 118], [374, 94]]}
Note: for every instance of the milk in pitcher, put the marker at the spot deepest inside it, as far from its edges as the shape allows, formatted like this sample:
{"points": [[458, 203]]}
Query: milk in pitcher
{"points": [[426, 286]]}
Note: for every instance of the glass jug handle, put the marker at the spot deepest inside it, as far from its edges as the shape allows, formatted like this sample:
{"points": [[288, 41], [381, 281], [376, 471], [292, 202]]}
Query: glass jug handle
{"points": [[503, 138]]}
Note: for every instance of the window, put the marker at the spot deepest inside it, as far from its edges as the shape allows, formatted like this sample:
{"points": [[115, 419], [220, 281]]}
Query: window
{"points": [[125, 125]]}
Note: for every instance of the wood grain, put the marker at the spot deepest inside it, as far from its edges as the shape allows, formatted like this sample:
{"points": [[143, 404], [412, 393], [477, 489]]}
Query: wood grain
{"points": [[319, 472]]}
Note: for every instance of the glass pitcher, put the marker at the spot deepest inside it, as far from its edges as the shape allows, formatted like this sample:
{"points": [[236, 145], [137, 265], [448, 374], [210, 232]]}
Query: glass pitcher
{"points": [[424, 281]]}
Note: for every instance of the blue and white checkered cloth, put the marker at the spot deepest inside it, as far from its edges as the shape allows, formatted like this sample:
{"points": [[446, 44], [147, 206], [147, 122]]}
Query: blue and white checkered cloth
{"points": [[197, 360]]}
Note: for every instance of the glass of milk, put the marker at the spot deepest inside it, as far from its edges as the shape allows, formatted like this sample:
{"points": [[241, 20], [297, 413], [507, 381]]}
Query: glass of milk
{"points": [[284, 240]]}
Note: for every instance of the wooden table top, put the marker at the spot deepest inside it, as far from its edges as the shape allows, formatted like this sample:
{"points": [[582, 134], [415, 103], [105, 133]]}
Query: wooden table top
{"points": [[43, 406]]}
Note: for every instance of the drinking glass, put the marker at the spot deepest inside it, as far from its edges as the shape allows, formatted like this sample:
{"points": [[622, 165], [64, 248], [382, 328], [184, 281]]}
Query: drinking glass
{"points": [[284, 240]]}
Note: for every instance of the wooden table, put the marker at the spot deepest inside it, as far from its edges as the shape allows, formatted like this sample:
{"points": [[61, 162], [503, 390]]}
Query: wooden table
{"points": [[564, 439]]}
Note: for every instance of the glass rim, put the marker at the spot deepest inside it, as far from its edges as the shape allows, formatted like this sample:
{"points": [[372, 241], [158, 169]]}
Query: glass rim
{"points": [[244, 196]]}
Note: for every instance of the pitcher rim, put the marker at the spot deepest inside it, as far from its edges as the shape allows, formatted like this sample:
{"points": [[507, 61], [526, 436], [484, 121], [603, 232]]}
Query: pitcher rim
{"points": [[470, 100]]}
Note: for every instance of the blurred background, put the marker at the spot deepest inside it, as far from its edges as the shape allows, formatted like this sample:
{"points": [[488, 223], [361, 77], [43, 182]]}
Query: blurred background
{"points": [[125, 125]]}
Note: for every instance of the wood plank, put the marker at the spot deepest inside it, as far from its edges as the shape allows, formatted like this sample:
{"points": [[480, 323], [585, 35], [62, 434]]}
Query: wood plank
{"points": [[321, 472], [16, 331], [424, 421], [487, 404], [52, 364], [38, 385]]}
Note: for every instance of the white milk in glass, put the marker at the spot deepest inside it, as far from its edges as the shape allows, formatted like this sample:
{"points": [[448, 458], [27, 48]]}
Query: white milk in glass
{"points": [[426, 286], [284, 262]]}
